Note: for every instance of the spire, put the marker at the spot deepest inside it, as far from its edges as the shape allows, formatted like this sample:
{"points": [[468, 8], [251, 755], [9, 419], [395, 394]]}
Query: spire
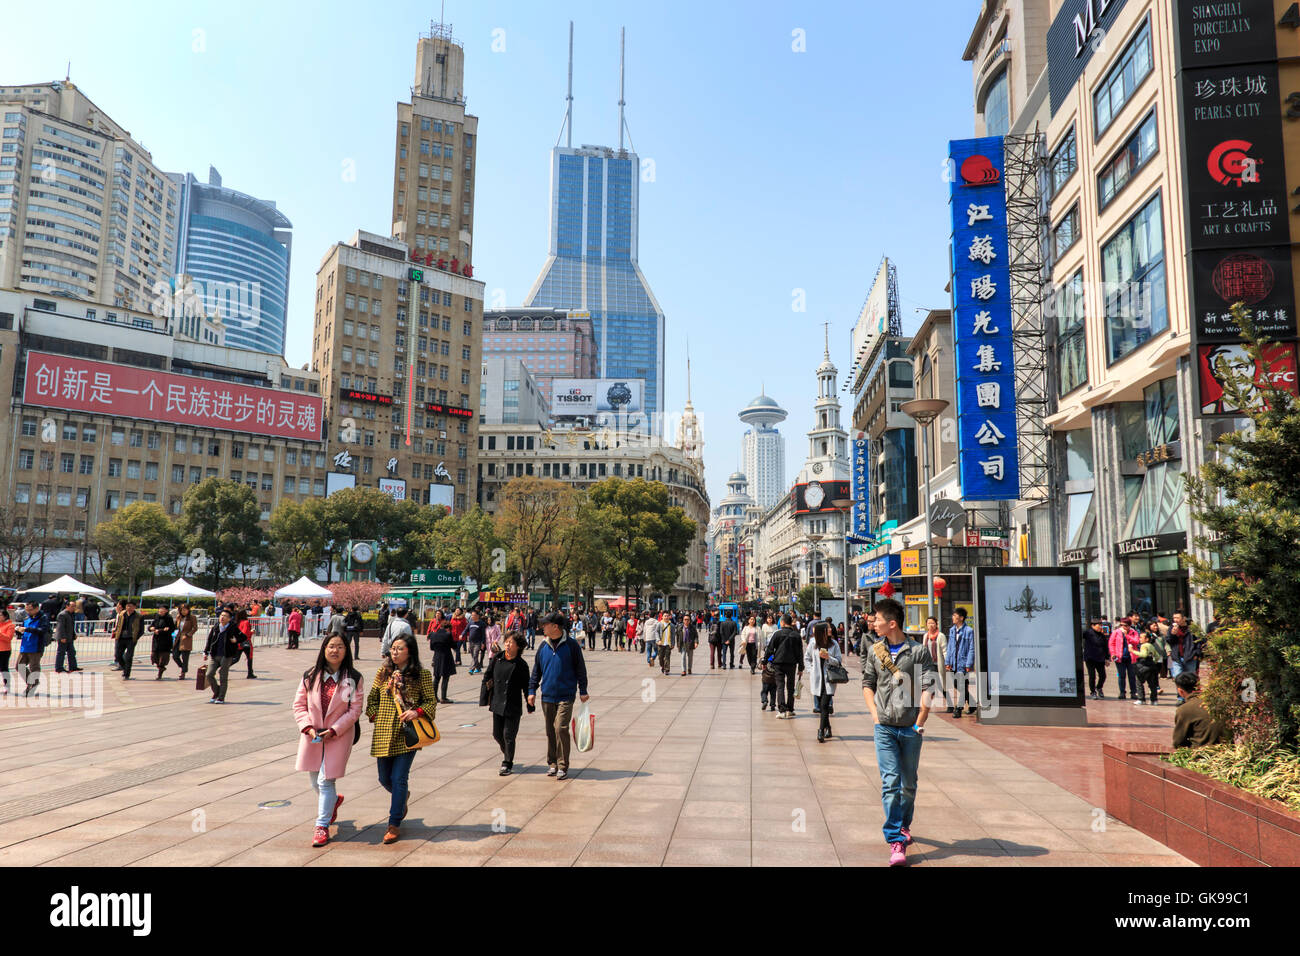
{"points": [[827, 327], [568, 109], [621, 103]]}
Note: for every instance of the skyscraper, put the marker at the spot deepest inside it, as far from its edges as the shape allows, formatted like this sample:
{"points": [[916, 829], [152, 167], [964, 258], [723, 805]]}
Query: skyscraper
{"points": [[592, 263], [236, 249], [763, 450]]}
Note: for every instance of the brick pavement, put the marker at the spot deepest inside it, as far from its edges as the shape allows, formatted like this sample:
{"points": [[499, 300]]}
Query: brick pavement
{"points": [[684, 771]]}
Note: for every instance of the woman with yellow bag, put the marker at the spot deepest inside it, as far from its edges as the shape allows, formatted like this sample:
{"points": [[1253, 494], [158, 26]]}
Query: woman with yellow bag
{"points": [[401, 705]]}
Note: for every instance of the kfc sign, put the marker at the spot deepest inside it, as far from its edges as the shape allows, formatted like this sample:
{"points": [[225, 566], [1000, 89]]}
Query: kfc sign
{"points": [[80, 385]]}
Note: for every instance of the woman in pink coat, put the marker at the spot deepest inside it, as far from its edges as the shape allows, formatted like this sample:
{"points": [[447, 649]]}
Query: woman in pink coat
{"points": [[1124, 643], [294, 626], [329, 701]]}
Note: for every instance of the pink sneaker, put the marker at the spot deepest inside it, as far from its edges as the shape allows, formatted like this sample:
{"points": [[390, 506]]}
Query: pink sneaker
{"points": [[321, 836], [907, 836], [897, 854]]}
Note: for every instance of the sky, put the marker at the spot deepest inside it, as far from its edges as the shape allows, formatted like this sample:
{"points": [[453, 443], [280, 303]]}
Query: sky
{"points": [[793, 146]]}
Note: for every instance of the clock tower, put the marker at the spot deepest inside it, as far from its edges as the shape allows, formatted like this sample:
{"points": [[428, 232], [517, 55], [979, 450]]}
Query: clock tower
{"points": [[828, 443]]}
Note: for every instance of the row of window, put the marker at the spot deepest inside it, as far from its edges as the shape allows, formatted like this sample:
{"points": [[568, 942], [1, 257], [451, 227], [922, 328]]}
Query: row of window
{"points": [[138, 439]]}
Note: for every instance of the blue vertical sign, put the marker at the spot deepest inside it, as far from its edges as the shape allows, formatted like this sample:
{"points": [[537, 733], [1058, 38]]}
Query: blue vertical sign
{"points": [[986, 385], [861, 491]]}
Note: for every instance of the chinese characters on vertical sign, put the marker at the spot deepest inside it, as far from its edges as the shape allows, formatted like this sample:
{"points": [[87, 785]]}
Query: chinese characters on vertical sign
{"points": [[861, 490], [981, 292]]}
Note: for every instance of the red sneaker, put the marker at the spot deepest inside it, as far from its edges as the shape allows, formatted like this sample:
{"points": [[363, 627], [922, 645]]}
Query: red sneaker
{"points": [[897, 854], [321, 836], [339, 802], [907, 834]]}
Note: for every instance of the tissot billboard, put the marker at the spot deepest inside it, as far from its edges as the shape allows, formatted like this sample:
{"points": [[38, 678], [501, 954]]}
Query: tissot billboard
{"points": [[587, 396]]}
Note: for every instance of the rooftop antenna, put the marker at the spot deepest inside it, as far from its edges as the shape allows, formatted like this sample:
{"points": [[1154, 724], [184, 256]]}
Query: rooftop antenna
{"points": [[68, 78], [568, 99], [688, 370], [827, 327], [621, 122]]}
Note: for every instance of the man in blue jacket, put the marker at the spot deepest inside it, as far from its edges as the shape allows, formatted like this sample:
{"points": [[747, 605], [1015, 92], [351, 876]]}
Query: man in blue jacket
{"points": [[561, 673], [960, 661], [34, 632]]}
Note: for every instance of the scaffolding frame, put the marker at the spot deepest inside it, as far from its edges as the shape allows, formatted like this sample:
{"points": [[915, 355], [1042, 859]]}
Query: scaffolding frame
{"points": [[1025, 164]]}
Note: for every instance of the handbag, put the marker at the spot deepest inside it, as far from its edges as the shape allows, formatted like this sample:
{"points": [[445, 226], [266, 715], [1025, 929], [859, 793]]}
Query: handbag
{"points": [[836, 673], [201, 677], [419, 732]]}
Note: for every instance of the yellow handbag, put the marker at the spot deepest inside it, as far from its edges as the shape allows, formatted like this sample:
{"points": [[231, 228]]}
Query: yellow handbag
{"points": [[416, 733]]}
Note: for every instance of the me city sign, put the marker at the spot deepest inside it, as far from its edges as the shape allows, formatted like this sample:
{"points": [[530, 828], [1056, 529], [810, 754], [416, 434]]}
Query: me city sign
{"points": [[1175, 541]]}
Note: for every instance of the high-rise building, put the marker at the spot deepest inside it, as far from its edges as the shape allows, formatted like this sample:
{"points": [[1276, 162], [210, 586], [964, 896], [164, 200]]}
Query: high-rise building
{"points": [[510, 395], [84, 212], [592, 261], [433, 178], [762, 450], [235, 249], [552, 343]]}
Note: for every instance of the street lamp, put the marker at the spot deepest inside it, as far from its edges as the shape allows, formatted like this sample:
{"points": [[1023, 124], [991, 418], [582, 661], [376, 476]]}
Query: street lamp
{"points": [[924, 411], [814, 550], [843, 506]]}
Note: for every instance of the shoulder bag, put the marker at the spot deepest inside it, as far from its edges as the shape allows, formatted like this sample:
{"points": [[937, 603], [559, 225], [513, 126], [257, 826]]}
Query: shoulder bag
{"points": [[882, 655], [416, 733], [836, 673]]}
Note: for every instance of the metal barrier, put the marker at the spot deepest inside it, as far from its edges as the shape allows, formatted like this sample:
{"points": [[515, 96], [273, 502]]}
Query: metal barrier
{"points": [[95, 642]]}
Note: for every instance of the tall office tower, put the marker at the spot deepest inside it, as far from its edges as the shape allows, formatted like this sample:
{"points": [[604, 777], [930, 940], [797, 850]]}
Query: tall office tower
{"points": [[84, 212], [763, 450], [236, 250], [591, 261], [433, 179]]}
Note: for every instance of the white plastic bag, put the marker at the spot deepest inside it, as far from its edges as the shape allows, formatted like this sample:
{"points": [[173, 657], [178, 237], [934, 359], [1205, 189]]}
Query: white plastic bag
{"points": [[798, 689], [583, 727]]}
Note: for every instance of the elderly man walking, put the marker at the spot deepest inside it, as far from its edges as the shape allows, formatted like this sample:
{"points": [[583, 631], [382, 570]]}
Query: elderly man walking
{"points": [[561, 674]]}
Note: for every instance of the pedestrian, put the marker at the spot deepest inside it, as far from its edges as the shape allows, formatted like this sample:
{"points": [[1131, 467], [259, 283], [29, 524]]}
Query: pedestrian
{"points": [[1096, 648], [1193, 725], [34, 635], [353, 624], [222, 647], [65, 634], [458, 624], [383, 619], [558, 672], [493, 630], [765, 634], [186, 625], [245, 625], [690, 641], [1150, 655], [959, 659], [163, 635], [326, 709], [132, 626], [397, 626], [532, 626], [728, 628], [606, 630], [476, 640], [936, 642], [334, 626], [400, 683], [894, 670], [119, 609], [650, 639], [822, 650], [1123, 646], [294, 627], [504, 693], [6, 647], [1183, 647], [666, 639], [443, 656], [579, 632], [786, 653], [749, 641], [767, 694]]}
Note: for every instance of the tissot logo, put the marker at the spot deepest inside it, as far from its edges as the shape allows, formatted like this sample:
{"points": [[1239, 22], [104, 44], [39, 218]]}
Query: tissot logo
{"points": [[978, 170], [102, 910], [1230, 165]]}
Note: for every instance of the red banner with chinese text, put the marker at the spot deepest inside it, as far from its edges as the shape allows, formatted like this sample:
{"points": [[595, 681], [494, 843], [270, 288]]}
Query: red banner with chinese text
{"points": [[82, 385]]}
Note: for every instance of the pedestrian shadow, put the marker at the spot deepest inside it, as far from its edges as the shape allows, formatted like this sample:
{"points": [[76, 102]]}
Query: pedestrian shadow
{"points": [[591, 773], [985, 846]]}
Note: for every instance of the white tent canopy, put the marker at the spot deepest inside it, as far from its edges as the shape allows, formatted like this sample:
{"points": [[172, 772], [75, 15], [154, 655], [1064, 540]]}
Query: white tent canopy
{"points": [[180, 588], [304, 587], [67, 585]]}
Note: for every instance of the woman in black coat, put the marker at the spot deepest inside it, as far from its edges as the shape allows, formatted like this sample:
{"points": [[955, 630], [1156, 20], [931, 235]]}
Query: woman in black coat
{"points": [[504, 693], [444, 655], [164, 632]]}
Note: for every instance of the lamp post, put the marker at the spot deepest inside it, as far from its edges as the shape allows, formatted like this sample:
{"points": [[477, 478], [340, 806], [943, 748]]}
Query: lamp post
{"points": [[924, 411], [844, 506], [813, 576]]}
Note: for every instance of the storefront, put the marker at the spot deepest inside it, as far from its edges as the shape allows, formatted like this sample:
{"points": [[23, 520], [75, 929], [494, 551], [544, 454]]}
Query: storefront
{"points": [[1089, 579]]}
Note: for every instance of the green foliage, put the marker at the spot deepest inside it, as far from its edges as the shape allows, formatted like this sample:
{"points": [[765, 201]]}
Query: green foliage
{"points": [[531, 512], [135, 541], [222, 519], [297, 538], [1269, 772], [468, 543], [407, 535], [1249, 498], [645, 538], [806, 603]]}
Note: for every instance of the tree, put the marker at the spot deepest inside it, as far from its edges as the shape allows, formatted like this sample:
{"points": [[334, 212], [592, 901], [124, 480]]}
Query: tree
{"points": [[20, 547], [137, 539], [531, 510], [571, 556], [806, 603], [297, 538], [646, 538], [407, 535], [353, 513], [469, 543], [220, 518], [1249, 498]]}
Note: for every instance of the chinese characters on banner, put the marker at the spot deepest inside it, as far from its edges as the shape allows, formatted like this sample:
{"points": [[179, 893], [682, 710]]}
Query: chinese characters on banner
{"points": [[981, 293], [81, 385], [861, 490]]}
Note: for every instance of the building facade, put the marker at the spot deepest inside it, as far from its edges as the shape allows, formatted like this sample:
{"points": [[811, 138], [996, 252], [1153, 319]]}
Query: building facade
{"points": [[1008, 53], [552, 343], [762, 450], [235, 250], [84, 212], [510, 395]]}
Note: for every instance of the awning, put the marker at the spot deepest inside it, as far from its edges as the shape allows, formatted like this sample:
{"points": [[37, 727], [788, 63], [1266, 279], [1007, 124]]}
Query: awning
{"points": [[416, 592]]}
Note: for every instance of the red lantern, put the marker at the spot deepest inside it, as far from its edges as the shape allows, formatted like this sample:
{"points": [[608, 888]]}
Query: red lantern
{"points": [[886, 589], [939, 585]]}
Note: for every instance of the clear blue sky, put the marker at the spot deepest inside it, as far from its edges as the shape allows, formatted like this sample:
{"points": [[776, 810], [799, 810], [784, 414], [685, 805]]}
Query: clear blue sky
{"points": [[775, 170]]}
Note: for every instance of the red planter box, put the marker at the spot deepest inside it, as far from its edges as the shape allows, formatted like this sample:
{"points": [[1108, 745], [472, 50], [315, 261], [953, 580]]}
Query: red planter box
{"points": [[1210, 823]]}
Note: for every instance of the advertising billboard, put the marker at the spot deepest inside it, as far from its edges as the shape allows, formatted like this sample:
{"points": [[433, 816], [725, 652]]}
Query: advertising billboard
{"points": [[395, 488], [337, 481], [874, 320], [82, 385], [587, 396], [1278, 366], [1029, 640], [442, 495]]}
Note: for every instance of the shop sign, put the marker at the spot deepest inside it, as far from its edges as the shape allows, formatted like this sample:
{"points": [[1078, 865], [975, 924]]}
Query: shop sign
{"points": [[911, 562], [1170, 451], [912, 600], [874, 573], [1078, 556], [860, 489], [1175, 541], [437, 576]]}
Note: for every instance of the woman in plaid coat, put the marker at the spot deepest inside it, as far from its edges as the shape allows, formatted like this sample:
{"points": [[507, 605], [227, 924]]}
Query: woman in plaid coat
{"points": [[400, 674]]}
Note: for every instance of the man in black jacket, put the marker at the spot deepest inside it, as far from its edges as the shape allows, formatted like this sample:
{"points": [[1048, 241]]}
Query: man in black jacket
{"points": [[132, 628], [1096, 651], [785, 651], [65, 634], [727, 631]]}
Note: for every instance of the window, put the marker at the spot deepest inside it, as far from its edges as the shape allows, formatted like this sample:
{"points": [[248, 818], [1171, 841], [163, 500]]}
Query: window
{"points": [[67, 464], [1133, 277], [133, 470], [137, 439], [29, 427], [87, 465], [153, 441], [88, 433], [1063, 163], [63, 495], [1132, 156], [117, 436], [182, 445], [1118, 86], [178, 473], [115, 467], [997, 107], [237, 449], [83, 496], [151, 471], [22, 494], [1071, 346], [69, 431], [1066, 232]]}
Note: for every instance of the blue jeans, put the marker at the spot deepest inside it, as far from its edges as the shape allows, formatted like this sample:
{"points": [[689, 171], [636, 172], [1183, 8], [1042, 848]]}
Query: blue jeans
{"points": [[394, 776], [651, 650], [326, 797], [1123, 668], [898, 754]]}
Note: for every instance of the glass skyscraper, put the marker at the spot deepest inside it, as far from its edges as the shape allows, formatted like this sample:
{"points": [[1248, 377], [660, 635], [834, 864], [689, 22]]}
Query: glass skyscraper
{"points": [[236, 249], [592, 263]]}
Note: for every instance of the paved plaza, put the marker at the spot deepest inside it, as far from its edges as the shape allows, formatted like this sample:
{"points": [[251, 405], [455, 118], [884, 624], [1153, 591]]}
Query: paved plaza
{"points": [[685, 770]]}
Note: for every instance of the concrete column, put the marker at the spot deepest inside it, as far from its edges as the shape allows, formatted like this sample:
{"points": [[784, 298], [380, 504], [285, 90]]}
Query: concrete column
{"points": [[1108, 497], [1195, 454]]}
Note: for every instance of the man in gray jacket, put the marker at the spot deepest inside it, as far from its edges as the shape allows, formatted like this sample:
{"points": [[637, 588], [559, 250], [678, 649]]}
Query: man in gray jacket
{"points": [[898, 681]]}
